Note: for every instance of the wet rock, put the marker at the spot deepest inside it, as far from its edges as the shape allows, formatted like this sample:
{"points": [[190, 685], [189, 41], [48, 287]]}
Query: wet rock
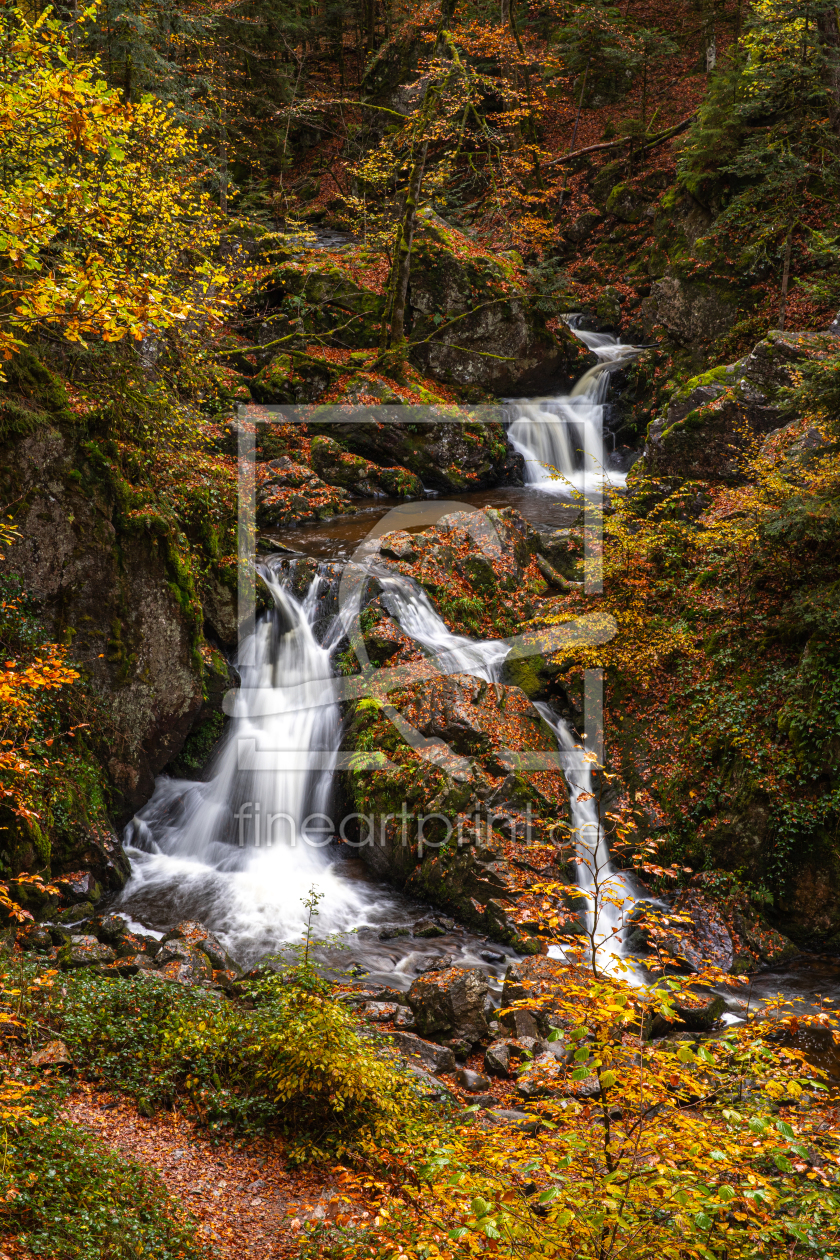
{"points": [[84, 951], [694, 313], [404, 1019], [34, 937], [53, 1054], [288, 493], [379, 1012], [499, 342], [450, 1003], [435, 962], [398, 545], [394, 930], [541, 981], [437, 1059], [704, 938], [521, 1024], [75, 915], [497, 1059], [110, 929], [472, 1082], [77, 556], [183, 964], [428, 928], [490, 956], [131, 964], [197, 935], [428, 1088], [338, 467], [714, 419], [79, 886], [521, 1120], [701, 1016]]}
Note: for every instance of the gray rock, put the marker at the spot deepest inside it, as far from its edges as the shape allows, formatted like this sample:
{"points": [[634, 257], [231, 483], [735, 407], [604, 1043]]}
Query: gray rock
{"points": [[437, 1059], [404, 1018], [427, 928], [429, 1088], [185, 965], [379, 1012], [84, 951], [471, 1081], [497, 1059], [451, 1002], [521, 1024], [197, 935], [515, 1119], [395, 929]]}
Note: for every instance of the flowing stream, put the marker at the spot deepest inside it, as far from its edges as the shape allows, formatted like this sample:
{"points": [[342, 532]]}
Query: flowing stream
{"points": [[562, 439], [240, 850]]}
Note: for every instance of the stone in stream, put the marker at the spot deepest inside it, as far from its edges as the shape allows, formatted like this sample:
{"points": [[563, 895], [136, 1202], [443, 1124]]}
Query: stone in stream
{"points": [[379, 1012], [110, 928], [435, 962], [393, 929], [451, 1003], [437, 1059], [428, 927]]}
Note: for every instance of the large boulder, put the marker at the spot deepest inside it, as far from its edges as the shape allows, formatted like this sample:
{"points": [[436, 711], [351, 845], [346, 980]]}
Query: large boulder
{"points": [[450, 1005], [712, 423], [288, 493], [107, 580], [475, 326], [458, 816], [466, 454], [358, 475]]}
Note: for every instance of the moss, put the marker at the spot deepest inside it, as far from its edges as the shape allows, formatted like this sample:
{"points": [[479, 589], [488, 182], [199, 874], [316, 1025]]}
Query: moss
{"points": [[198, 746]]}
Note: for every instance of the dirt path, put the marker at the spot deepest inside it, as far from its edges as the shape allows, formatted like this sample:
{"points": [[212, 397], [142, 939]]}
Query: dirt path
{"points": [[247, 1200]]}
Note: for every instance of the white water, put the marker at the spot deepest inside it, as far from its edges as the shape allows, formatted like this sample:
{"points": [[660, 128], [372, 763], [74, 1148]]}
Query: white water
{"points": [[201, 850], [609, 897], [562, 439], [453, 653]]}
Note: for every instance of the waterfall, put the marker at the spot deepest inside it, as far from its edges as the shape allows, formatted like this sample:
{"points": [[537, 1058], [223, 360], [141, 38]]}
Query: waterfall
{"points": [[453, 653], [562, 439], [239, 851], [609, 897], [595, 873]]}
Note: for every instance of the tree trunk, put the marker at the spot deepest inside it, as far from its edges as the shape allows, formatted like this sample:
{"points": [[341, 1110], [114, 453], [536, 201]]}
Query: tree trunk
{"points": [[785, 280], [828, 25], [403, 262]]}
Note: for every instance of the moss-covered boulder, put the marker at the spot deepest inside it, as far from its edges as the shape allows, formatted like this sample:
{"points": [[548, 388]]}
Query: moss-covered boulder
{"points": [[712, 422], [444, 454], [338, 467], [460, 799], [288, 493], [474, 325]]}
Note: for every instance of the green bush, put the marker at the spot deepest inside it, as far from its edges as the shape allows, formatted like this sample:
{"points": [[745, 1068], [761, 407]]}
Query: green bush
{"points": [[296, 1061], [67, 1197]]}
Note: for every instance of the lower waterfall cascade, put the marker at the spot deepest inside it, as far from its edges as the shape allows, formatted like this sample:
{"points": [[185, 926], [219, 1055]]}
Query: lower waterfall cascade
{"points": [[240, 851]]}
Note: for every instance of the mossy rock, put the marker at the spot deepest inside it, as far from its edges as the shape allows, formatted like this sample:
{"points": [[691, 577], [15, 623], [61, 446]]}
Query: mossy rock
{"points": [[627, 203]]}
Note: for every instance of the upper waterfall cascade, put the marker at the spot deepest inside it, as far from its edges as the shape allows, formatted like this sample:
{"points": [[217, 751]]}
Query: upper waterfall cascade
{"points": [[562, 439]]}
